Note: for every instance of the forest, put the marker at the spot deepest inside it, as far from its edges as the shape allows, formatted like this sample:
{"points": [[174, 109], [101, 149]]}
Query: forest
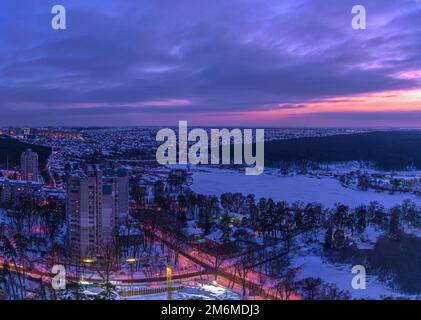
{"points": [[387, 150]]}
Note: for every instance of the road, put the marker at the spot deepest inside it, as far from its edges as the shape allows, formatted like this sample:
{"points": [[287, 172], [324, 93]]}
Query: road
{"points": [[226, 272]]}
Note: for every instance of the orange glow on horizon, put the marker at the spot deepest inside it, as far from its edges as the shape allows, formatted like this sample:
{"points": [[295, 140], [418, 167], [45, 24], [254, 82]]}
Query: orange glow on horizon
{"points": [[400, 100]]}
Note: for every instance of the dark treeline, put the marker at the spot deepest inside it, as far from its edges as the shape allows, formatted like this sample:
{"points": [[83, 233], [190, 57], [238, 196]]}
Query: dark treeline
{"points": [[11, 149], [388, 150]]}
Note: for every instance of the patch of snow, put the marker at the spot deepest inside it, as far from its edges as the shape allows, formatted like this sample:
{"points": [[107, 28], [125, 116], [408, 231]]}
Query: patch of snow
{"points": [[341, 275], [324, 190]]}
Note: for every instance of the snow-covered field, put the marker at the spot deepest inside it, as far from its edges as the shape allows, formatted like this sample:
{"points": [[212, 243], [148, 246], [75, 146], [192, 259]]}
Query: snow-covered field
{"points": [[341, 275], [306, 188], [325, 190]]}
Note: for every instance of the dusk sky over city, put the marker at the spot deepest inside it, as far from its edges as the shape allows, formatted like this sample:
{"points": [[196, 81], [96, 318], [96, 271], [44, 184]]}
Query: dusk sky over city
{"points": [[223, 154], [236, 63]]}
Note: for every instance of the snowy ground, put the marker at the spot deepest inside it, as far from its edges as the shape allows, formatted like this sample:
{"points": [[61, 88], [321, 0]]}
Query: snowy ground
{"points": [[3, 218], [341, 275], [193, 291], [325, 190]]}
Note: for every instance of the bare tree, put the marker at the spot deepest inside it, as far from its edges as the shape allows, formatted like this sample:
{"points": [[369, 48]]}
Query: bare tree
{"points": [[310, 288], [288, 285], [107, 263], [15, 269], [242, 268], [220, 254]]}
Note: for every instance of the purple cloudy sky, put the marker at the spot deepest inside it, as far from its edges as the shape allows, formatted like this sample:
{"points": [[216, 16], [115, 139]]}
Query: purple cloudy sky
{"points": [[216, 63]]}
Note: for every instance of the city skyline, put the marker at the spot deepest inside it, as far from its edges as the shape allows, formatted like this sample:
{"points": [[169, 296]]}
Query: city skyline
{"points": [[237, 63]]}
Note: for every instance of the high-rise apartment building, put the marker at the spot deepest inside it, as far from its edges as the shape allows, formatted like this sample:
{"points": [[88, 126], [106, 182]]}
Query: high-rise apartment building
{"points": [[29, 165], [119, 179], [96, 201]]}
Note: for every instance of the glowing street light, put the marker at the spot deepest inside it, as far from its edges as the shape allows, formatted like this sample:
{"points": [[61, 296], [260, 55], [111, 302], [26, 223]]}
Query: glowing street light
{"points": [[169, 278], [87, 260], [131, 261]]}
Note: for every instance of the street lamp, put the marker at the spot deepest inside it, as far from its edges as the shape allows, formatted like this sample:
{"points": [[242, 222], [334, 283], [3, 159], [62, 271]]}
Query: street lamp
{"points": [[169, 278], [131, 261], [87, 260]]}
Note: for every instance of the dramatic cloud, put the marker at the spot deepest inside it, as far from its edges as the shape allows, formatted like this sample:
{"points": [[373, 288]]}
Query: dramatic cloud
{"points": [[271, 62]]}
